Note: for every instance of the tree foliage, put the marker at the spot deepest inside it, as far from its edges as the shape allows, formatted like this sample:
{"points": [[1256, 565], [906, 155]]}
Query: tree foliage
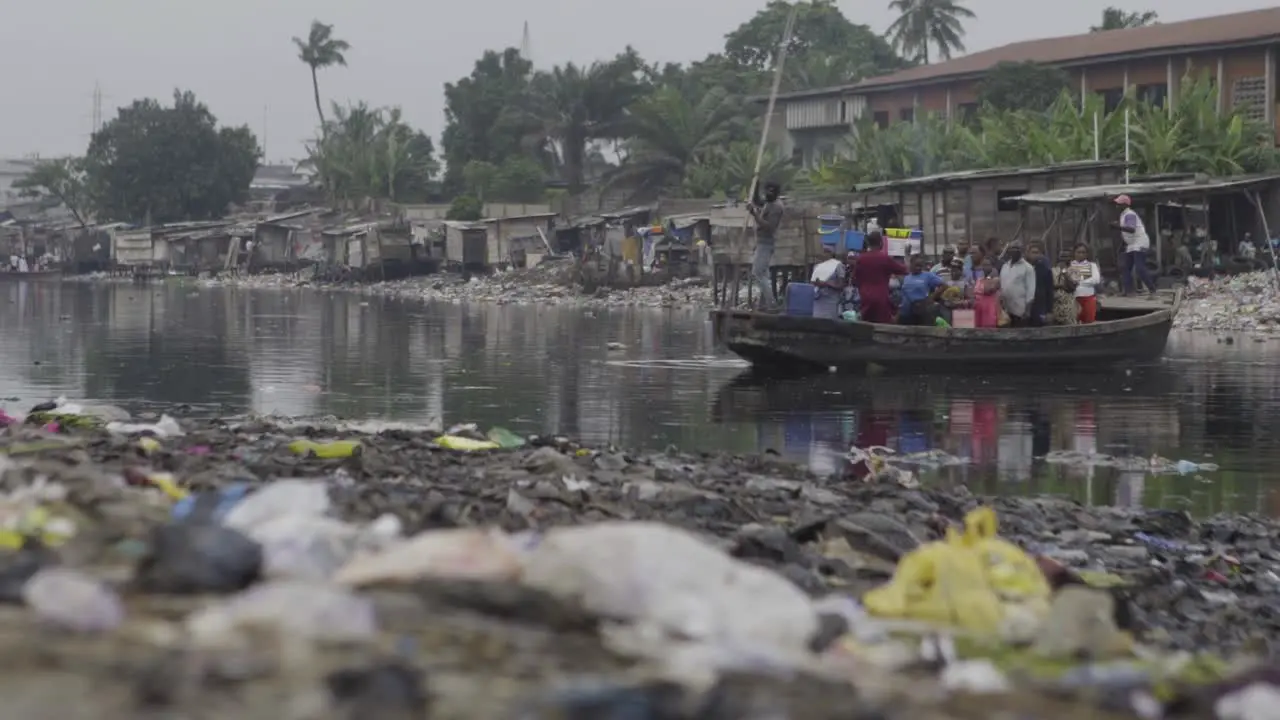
{"points": [[483, 112], [62, 180], [519, 179], [321, 50], [822, 36], [1022, 86], [168, 164], [368, 154], [466, 208], [925, 23], [1114, 18], [1193, 138]]}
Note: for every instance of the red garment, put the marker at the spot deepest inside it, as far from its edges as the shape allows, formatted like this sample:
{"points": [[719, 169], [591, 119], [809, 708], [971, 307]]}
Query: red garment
{"points": [[1088, 309], [874, 271], [986, 307]]}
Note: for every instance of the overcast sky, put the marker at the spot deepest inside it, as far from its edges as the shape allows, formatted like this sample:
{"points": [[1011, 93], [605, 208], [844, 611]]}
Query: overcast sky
{"points": [[236, 55]]}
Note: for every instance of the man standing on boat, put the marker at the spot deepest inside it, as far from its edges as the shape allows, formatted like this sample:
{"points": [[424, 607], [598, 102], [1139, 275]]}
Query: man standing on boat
{"points": [[768, 216], [875, 267], [1136, 245], [1017, 287]]}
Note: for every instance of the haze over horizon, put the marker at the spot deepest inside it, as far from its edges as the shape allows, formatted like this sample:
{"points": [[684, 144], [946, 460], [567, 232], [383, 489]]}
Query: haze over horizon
{"points": [[238, 58]]}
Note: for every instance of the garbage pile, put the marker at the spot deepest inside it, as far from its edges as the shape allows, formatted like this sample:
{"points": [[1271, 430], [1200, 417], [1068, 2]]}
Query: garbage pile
{"points": [[1248, 302], [550, 283], [156, 567]]}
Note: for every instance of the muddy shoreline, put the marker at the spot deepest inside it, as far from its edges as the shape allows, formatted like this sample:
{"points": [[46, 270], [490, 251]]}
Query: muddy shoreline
{"points": [[467, 646]]}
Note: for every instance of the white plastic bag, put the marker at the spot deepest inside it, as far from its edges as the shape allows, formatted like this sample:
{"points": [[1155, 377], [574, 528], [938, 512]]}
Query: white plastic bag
{"points": [[282, 497], [303, 609], [466, 553], [73, 601], [660, 575]]}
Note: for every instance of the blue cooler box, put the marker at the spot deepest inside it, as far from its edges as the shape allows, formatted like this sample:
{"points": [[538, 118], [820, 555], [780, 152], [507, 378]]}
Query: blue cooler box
{"points": [[800, 299]]}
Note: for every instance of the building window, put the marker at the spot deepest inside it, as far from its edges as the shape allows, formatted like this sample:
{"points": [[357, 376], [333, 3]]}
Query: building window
{"points": [[881, 119], [1111, 98], [1005, 199], [844, 111], [1249, 97], [797, 156], [1154, 94], [907, 114], [968, 113]]}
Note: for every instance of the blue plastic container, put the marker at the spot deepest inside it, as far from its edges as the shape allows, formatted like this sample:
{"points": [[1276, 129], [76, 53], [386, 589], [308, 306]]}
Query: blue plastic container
{"points": [[800, 299], [853, 240]]}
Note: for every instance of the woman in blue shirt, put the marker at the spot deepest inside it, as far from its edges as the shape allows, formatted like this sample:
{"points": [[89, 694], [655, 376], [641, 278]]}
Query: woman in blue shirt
{"points": [[920, 293]]}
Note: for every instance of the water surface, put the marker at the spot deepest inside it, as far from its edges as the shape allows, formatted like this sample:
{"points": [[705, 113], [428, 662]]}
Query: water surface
{"points": [[641, 378]]}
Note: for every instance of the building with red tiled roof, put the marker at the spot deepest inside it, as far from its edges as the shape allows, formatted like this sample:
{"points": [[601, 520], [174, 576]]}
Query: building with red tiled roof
{"points": [[1238, 51]]}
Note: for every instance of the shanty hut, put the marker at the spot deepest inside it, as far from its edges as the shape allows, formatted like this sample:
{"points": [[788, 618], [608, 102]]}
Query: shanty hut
{"points": [[973, 205]]}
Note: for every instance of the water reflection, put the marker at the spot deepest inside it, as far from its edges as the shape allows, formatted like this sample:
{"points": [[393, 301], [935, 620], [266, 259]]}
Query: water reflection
{"points": [[640, 379]]}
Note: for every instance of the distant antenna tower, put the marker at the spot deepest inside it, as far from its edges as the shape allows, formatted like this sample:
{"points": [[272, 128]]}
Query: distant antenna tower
{"points": [[97, 107], [526, 51]]}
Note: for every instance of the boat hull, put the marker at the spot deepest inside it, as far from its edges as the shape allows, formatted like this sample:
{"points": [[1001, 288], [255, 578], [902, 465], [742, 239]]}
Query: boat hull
{"points": [[37, 276], [782, 344]]}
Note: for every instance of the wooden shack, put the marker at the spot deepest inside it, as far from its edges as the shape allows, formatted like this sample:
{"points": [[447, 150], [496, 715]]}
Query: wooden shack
{"points": [[511, 238], [733, 239], [974, 205], [466, 244], [136, 248], [356, 246]]}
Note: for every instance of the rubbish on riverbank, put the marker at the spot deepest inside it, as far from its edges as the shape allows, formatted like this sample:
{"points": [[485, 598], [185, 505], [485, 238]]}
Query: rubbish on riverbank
{"points": [[1248, 302], [1155, 464], [280, 580]]}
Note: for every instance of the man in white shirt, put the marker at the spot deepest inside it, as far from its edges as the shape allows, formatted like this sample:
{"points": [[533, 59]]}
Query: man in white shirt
{"points": [[828, 281], [1017, 287], [1136, 245]]}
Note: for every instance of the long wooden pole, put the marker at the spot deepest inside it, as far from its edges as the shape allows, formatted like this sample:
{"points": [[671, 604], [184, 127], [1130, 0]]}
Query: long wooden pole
{"points": [[773, 97]]}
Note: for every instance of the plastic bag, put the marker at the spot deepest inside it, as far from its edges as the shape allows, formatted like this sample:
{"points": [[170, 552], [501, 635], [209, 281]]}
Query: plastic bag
{"points": [[282, 497], [463, 554], [973, 580], [465, 444], [669, 579]]}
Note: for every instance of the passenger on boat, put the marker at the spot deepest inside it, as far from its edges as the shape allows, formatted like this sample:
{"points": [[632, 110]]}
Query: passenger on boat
{"points": [[828, 281], [943, 266], [850, 302], [1042, 304], [1088, 278], [962, 252], [986, 302], [1065, 310], [875, 267], [1017, 287], [921, 291], [959, 291], [768, 213]]}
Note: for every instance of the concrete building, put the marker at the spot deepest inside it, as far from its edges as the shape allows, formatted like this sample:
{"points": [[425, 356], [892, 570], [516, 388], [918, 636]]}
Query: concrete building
{"points": [[1238, 51]]}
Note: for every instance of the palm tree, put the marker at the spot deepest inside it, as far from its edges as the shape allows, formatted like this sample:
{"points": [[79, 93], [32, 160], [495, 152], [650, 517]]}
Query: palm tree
{"points": [[922, 23], [669, 131], [579, 105], [321, 50], [1114, 18]]}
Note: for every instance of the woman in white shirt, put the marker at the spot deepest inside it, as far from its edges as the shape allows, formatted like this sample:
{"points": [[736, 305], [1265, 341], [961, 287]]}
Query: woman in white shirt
{"points": [[1088, 278]]}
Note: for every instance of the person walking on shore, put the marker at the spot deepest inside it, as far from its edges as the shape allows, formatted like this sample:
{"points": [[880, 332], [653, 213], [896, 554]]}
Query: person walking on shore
{"points": [[1136, 245], [768, 216]]}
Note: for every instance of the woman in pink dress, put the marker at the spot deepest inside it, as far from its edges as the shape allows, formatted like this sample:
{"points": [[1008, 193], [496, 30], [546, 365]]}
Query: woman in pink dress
{"points": [[986, 306]]}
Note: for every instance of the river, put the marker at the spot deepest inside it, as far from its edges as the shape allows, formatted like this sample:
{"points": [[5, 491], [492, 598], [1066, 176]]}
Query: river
{"points": [[644, 379]]}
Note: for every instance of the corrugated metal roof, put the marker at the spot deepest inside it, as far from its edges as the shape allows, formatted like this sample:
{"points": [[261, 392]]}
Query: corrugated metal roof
{"points": [[1233, 29], [987, 174], [1172, 189]]}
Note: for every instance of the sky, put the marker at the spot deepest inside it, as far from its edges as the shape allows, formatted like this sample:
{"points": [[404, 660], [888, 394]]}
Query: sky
{"points": [[237, 56]]}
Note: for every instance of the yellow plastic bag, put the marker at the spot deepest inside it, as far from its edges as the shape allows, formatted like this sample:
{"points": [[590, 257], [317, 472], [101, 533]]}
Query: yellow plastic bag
{"points": [[455, 442], [967, 580], [326, 450]]}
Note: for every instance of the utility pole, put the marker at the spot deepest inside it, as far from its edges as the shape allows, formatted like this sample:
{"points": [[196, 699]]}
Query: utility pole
{"points": [[264, 135], [526, 51]]}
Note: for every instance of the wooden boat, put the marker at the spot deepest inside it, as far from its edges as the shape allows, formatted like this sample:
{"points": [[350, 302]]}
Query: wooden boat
{"points": [[31, 276], [788, 345]]}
